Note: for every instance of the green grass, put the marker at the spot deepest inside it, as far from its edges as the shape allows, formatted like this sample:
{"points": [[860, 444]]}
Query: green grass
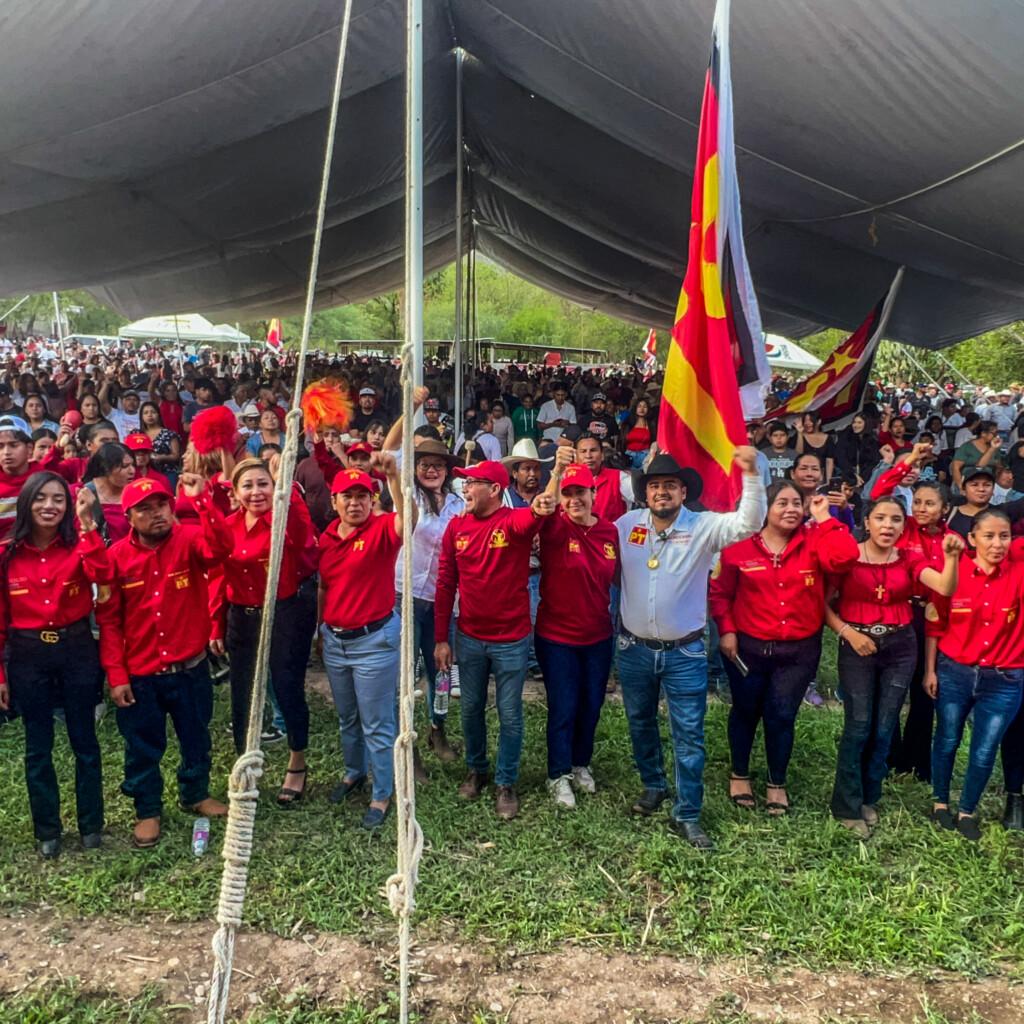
{"points": [[798, 890], [66, 1003]]}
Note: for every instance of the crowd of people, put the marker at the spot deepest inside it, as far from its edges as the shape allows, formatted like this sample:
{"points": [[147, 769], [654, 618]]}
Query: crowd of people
{"points": [[550, 536]]}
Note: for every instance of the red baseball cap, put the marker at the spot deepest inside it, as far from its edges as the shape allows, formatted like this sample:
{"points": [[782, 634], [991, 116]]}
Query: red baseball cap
{"points": [[359, 446], [578, 475], [139, 490], [492, 472], [138, 443], [349, 478]]}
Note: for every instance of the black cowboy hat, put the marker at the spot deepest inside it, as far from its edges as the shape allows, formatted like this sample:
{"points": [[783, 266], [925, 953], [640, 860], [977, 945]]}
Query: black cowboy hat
{"points": [[665, 465]]}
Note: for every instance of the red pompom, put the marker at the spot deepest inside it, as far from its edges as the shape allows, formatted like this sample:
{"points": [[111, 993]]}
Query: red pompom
{"points": [[326, 404], [214, 428]]}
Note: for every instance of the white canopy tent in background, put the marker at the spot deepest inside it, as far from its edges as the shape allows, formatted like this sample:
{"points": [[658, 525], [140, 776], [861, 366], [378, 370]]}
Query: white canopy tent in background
{"points": [[784, 354], [187, 328]]}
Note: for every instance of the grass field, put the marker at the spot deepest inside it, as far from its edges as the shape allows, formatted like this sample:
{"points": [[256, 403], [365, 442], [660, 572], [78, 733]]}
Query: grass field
{"points": [[796, 890]]}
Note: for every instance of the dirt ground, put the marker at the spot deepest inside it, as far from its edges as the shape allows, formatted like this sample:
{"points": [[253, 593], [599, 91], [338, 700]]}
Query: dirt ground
{"points": [[452, 981]]}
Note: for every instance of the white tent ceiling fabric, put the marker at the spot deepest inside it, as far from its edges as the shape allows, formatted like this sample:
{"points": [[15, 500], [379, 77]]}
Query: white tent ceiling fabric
{"points": [[166, 155]]}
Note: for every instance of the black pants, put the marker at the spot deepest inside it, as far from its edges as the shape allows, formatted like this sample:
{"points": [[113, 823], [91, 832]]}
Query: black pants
{"points": [[780, 673], [42, 677], [1012, 751], [287, 669], [874, 687], [187, 697], [911, 747]]}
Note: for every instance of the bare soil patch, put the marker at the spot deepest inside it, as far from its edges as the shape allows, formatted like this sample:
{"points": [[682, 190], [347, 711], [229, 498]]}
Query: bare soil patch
{"points": [[452, 981]]}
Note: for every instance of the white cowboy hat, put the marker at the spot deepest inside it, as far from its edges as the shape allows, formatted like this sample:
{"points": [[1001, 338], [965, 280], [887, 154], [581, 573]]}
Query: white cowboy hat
{"points": [[523, 450]]}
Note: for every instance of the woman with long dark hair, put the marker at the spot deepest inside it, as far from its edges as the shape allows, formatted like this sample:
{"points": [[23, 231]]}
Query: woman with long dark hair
{"points": [[107, 473], [639, 432], [975, 664], [853, 450], [166, 456], [877, 653], [46, 577], [768, 599]]}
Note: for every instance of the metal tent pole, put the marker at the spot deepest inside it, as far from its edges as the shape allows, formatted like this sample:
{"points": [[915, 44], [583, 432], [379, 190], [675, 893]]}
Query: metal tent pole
{"points": [[60, 326], [414, 183], [457, 342]]}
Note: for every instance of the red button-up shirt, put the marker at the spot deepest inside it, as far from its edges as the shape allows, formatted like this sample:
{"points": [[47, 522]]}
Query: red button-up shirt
{"points": [[488, 562], [357, 572], [157, 612], [751, 594], [981, 623], [245, 571], [578, 566], [51, 588], [872, 594]]}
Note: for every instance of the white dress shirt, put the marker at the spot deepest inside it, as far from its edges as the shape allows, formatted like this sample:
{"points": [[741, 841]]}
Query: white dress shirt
{"points": [[671, 601], [426, 545], [551, 411]]}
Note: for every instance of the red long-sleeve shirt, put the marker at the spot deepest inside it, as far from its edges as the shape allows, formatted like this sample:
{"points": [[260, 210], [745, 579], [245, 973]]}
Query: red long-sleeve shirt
{"points": [[157, 611], [245, 570], [981, 623], [357, 573], [51, 588], [488, 562], [751, 594]]}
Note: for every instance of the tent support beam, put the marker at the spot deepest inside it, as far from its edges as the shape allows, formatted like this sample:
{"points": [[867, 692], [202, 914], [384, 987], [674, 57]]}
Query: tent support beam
{"points": [[60, 326], [457, 342]]}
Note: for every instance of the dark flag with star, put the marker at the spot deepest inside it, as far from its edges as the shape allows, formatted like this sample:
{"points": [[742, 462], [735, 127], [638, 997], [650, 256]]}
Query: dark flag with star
{"points": [[836, 390]]}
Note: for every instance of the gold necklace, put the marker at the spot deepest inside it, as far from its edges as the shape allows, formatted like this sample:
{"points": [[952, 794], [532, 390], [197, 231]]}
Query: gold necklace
{"points": [[654, 561]]}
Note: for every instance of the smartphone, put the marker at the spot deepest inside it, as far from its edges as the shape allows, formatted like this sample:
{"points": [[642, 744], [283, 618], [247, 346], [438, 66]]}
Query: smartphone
{"points": [[741, 665]]}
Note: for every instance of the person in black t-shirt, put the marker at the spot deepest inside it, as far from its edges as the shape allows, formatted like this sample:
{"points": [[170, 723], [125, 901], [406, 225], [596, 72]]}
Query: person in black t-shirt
{"points": [[599, 421]]}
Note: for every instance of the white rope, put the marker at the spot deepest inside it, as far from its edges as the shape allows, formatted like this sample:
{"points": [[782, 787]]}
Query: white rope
{"points": [[243, 793], [401, 886]]}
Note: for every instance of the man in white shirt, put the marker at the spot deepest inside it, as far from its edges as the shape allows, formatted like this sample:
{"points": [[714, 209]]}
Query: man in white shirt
{"points": [[480, 432], [667, 551], [557, 413], [125, 418]]}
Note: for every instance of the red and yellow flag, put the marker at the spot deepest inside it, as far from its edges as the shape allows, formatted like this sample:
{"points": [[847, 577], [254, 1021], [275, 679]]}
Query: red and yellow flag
{"points": [[274, 340], [835, 391], [717, 347]]}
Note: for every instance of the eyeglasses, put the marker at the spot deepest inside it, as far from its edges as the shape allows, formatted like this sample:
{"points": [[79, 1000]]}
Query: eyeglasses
{"points": [[432, 467], [476, 480]]}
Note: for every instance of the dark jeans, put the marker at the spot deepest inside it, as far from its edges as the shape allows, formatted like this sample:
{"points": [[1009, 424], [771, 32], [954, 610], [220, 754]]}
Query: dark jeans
{"points": [[423, 644], [575, 680], [287, 669], [780, 673], [873, 690], [911, 748], [1012, 751], [187, 697], [995, 698], [43, 677]]}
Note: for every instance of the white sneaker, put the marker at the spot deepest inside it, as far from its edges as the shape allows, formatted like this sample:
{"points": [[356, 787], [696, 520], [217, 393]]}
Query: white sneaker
{"points": [[561, 790], [583, 781]]}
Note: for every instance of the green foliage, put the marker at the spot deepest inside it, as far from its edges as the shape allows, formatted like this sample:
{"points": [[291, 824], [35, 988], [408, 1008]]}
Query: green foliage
{"points": [[83, 314]]}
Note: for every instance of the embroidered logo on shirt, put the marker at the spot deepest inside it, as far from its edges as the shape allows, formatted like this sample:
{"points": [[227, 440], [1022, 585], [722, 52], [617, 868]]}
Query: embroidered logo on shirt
{"points": [[359, 545], [461, 542], [181, 583], [498, 539], [574, 547], [638, 535], [609, 551]]}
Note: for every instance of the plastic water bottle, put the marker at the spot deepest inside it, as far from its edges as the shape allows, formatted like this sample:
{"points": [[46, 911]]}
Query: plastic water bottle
{"points": [[442, 691], [200, 836]]}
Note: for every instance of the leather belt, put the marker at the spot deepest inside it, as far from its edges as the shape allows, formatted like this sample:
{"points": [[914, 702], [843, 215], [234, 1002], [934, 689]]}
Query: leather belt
{"points": [[355, 634], [662, 645], [181, 666], [53, 636], [877, 629]]}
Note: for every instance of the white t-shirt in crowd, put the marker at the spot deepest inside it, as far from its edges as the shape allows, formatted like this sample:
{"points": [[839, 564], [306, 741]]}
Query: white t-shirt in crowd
{"points": [[551, 411]]}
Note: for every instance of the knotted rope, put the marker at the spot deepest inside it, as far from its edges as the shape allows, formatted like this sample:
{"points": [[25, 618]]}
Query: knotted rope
{"points": [[243, 793]]}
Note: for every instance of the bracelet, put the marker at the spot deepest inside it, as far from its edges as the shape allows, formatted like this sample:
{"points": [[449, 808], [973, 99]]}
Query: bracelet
{"points": [[839, 635]]}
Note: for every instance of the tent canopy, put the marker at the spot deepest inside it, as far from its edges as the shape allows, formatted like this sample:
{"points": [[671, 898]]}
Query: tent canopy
{"points": [[188, 328], [787, 355], [169, 156]]}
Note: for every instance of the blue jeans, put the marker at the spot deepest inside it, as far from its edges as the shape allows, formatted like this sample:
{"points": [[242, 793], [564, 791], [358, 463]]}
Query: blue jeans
{"points": [[995, 698], [363, 674], [575, 678], [477, 660], [423, 644], [533, 589], [636, 459], [187, 697], [683, 675]]}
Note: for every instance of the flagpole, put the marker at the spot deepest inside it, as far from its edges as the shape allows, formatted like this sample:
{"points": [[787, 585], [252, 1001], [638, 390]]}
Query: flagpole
{"points": [[60, 327]]}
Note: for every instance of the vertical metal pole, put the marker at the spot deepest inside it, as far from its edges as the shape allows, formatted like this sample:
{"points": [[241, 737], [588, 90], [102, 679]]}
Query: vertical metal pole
{"points": [[414, 183], [457, 342], [60, 326]]}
